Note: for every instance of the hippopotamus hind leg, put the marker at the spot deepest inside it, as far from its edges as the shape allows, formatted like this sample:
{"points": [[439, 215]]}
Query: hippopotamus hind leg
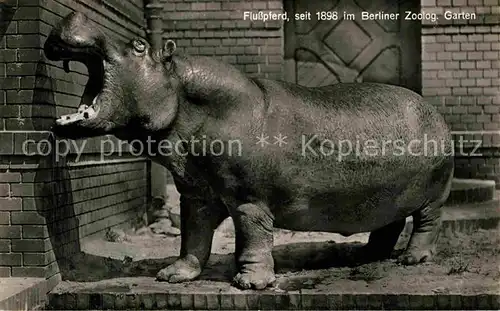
{"points": [[427, 220], [382, 241], [426, 225]]}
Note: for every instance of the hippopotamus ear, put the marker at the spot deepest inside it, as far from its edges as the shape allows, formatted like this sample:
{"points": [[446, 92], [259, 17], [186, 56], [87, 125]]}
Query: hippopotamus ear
{"points": [[168, 49]]}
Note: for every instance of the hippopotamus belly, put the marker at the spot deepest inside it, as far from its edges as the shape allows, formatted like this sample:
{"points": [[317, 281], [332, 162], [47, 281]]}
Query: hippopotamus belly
{"points": [[356, 213]]}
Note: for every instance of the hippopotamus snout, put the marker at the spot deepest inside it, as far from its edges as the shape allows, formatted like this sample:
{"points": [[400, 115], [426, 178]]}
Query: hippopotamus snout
{"points": [[77, 38]]}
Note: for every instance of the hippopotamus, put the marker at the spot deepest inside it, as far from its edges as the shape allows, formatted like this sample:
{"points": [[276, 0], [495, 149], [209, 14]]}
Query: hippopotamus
{"points": [[345, 158]]}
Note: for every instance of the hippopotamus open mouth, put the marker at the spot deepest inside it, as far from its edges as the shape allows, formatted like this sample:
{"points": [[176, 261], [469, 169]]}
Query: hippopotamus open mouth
{"points": [[125, 81], [75, 40]]}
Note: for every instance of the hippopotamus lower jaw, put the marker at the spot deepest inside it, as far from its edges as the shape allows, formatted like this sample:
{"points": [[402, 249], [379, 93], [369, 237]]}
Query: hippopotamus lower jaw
{"points": [[88, 109]]}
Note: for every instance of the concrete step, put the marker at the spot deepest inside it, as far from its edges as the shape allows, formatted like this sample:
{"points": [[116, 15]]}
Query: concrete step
{"points": [[467, 218], [471, 191], [23, 293]]}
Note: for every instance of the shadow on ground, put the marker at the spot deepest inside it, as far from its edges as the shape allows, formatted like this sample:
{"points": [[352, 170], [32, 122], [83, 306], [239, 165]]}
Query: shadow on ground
{"points": [[292, 257]]}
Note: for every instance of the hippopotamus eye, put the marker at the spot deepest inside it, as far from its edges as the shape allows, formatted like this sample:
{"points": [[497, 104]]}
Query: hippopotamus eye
{"points": [[139, 45]]}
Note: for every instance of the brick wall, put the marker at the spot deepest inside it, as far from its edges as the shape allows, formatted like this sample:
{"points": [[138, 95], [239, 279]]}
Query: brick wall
{"points": [[217, 28], [48, 204], [461, 75]]}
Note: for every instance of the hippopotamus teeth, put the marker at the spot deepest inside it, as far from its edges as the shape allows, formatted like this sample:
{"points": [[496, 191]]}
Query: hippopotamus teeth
{"points": [[89, 112], [84, 112], [82, 108]]}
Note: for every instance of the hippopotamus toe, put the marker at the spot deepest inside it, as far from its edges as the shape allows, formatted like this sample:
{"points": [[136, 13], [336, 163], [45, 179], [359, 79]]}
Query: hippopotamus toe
{"points": [[255, 280]]}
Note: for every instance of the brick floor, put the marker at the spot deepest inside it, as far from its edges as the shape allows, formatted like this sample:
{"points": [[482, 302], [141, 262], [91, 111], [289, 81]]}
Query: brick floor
{"points": [[298, 300]]}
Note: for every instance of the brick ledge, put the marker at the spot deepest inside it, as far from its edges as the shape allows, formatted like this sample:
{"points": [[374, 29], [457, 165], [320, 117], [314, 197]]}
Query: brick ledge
{"points": [[294, 300], [22, 293]]}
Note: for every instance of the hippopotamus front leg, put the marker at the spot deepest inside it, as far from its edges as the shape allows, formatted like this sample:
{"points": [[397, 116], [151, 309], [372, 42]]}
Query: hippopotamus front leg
{"points": [[199, 219], [254, 244]]}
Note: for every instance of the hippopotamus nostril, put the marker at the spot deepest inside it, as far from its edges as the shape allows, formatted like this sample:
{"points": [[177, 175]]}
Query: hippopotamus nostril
{"points": [[77, 18], [139, 45], [86, 115]]}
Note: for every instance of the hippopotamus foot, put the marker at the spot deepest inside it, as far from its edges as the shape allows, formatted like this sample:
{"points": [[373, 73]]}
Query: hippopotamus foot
{"points": [[381, 242], [198, 222], [259, 279], [183, 269], [422, 245], [254, 245]]}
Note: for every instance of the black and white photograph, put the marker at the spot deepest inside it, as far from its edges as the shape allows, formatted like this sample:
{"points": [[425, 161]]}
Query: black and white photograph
{"points": [[249, 155]]}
